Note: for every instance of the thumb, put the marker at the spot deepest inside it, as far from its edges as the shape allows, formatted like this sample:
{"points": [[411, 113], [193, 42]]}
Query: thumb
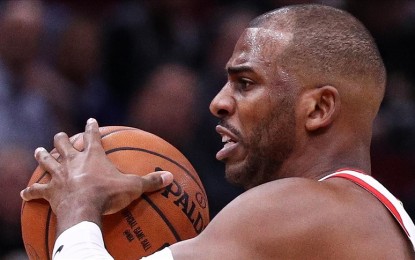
{"points": [[156, 180]]}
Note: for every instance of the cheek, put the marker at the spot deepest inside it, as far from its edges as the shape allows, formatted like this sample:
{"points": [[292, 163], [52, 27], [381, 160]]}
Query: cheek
{"points": [[278, 125], [253, 118]]}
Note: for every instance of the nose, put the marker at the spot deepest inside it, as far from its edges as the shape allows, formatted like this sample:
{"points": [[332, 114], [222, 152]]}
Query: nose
{"points": [[223, 104]]}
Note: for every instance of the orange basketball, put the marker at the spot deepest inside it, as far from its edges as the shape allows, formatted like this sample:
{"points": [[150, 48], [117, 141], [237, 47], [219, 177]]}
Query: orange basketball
{"points": [[150, 223]]}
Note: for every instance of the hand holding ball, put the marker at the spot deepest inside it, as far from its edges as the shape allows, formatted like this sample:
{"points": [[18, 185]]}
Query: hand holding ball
{"points": [[155, 220]]}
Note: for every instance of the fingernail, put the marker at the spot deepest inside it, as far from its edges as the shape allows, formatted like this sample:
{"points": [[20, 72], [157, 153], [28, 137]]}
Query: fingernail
{"points": [[21, 194], [39, 149], [91, 120], [167, 177]]}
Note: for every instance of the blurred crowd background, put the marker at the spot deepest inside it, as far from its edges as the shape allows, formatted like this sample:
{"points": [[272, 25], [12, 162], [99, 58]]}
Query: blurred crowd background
{"points": [[155, 65]]}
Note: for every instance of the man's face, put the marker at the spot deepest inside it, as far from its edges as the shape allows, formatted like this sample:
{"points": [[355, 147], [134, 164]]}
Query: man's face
{"points": [[256, 108]]}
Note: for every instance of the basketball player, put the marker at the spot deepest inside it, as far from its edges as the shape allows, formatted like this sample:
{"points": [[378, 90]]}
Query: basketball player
{"points": [[304, 85]]}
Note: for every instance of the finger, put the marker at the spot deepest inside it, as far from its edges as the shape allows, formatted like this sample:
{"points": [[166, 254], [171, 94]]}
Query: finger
{"points": [[63, 145], [92, 136], [36, 191], [47, 161], [156, 180]]}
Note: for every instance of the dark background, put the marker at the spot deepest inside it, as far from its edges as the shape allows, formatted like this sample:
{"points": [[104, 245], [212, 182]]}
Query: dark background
{"points": [[156, 65]]}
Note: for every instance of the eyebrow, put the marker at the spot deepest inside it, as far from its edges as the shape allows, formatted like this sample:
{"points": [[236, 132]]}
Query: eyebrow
{"points": [[238, 69]]}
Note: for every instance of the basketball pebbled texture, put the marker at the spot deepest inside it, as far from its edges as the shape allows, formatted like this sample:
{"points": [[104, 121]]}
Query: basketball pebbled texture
{"points": [[150, 223]]}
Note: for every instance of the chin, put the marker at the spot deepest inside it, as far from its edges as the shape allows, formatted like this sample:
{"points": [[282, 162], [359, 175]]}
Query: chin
{"points": [[233, 174], [238, 176]]}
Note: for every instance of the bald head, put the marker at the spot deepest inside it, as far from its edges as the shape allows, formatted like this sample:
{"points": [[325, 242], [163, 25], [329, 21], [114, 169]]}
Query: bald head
{"points": [[328, 47]]}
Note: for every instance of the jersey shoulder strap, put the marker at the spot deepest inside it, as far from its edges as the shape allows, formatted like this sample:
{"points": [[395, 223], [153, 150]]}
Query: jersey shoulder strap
{"points": [[383, 195]]}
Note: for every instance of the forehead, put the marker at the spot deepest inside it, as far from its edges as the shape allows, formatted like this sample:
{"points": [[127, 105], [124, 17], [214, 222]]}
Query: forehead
{"points": [[259, 47]]}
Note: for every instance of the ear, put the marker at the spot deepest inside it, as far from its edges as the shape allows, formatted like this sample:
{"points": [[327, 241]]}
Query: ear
{"points": [[322, 105]]}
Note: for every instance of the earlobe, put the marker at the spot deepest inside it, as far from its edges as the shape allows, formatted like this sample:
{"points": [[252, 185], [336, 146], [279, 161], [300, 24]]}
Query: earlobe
{"points": [[324, 106]]}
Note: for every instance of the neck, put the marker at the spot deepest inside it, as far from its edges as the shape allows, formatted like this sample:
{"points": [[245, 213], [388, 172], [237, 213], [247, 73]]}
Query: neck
{"points": [[315, 162]]}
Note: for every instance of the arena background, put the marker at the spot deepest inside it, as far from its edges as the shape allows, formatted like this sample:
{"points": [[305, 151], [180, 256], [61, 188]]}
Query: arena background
{"points": [[155, 65]]}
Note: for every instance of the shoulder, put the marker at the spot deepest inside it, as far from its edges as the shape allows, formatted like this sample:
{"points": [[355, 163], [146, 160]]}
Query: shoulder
{"points": [[296, 196], [288, 206], [282, 217], [299, 218]]}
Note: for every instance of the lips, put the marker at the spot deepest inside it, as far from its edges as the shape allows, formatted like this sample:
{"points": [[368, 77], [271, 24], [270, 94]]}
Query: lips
{"points": [[230, 142]]}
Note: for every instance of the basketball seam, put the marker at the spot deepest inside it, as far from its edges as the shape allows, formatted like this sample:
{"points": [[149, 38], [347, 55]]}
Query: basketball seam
{"points": [[162, 156], [159, 155], [161, 214]]}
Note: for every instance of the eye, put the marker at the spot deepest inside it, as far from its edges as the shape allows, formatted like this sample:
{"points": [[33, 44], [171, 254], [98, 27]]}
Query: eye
{"points": [[245, 84]]}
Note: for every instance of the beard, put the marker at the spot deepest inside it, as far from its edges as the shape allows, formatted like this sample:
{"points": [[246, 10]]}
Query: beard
{"points": [[269, 144]]}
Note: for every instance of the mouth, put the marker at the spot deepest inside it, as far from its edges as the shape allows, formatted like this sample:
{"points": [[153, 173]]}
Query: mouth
{"points": [[230, 143]]}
